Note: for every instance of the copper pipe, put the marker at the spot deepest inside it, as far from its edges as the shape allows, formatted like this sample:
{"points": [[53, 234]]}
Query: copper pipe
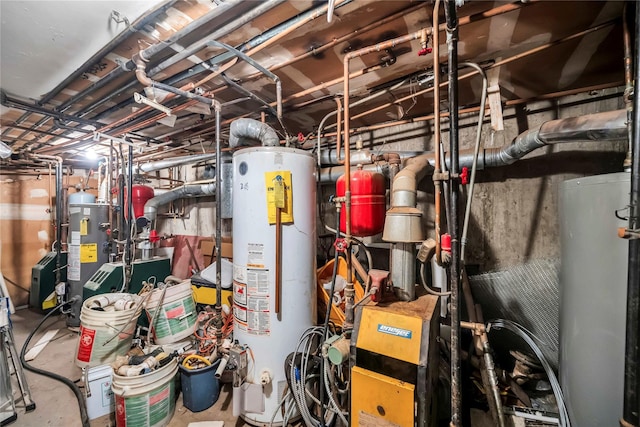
{"points": [[343, 38], [436, 126], [349, 290], [278, 272], [463, 21]]}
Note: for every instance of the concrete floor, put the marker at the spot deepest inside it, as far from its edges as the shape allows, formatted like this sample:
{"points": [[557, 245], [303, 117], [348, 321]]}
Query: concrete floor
{"points": [[55, 402]]}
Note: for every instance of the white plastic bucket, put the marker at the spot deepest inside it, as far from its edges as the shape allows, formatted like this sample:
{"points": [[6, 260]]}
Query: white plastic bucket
{"points": [[147, 400], [176, 318], [96, 342]]}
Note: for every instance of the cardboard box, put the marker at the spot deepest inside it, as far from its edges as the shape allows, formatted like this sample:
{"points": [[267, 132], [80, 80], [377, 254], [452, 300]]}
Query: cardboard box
{"points": [[208, 248]]}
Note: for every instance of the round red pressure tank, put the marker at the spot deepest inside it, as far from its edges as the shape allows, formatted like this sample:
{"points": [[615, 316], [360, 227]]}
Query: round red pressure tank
{"points": [[140, 194], [368, 203]]}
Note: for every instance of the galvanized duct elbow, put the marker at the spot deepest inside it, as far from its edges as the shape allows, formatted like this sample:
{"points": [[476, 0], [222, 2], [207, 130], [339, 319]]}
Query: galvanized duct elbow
{"points": [[403, 221], [151, 207], [405, 183], [245, 132]]}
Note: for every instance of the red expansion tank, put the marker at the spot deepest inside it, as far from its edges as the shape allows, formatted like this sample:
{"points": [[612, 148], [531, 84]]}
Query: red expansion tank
{"points": [[368, 203]]}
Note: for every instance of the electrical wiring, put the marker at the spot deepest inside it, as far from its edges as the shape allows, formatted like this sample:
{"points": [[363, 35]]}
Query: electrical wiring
{"points": [[336, 408], [206, 331], [528, 338], [474, 165], [84, 417], [426, 286], [300, 373]]}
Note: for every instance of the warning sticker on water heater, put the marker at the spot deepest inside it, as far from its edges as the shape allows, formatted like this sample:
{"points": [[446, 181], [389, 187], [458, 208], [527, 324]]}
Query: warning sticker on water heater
{"points": [[258, 322], [255, 255], [240, 318], [73, 269], [257, 282], [239, 293], [89, 252]]}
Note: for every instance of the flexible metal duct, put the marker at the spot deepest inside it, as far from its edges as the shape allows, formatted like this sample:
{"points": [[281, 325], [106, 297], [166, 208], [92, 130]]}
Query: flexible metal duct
{"points": [[245, 132], [151, 207]]}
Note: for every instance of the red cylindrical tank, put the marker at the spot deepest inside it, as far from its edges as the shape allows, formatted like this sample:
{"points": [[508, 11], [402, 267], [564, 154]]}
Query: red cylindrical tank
{"points": [[140, 194], [368, 203]]}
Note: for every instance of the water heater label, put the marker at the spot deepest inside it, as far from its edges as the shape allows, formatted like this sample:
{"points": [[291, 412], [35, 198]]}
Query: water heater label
{"points": [[258, 304], [255, 255], [392, 330], [73, 269], [240, 293], [239, 273], [274, 181], [240, 317], [257, 282], [258, 322], [89, 253]]}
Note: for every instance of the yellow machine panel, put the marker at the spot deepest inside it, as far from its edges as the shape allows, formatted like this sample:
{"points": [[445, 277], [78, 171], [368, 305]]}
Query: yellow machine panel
{"points": [[394, 331], [388, 402], [394, 363]]}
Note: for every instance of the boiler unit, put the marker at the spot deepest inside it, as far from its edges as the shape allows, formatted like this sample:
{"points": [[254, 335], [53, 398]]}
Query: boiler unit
{"points": [[88, 245], [274, 196], [593, 294], [394, 363], [43, 281], [368, 203]]}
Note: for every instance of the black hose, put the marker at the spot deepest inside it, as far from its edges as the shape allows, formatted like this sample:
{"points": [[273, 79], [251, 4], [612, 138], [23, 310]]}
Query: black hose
{"points": [[81, 403]]}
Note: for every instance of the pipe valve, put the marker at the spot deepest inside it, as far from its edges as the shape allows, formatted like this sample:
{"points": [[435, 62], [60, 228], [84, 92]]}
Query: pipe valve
{"points": [[424, 42]]}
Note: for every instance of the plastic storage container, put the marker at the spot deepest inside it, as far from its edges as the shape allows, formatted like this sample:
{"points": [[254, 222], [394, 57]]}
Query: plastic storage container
{"points": [[200, 387]]}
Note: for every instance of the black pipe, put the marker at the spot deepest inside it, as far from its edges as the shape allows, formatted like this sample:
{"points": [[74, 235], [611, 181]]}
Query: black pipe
{"points": [[631, 404], [127, 249], [218, 228], [59, 213], [133, 28], [220, 32], [11, 102], [452, 43]]}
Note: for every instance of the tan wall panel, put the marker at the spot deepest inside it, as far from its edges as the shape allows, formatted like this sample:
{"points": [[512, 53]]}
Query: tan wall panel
{"points": [[27, 229]]}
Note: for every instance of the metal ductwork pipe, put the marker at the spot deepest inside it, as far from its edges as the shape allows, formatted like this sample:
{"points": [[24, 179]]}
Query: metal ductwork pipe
{"points": [[151, 207], [173, 162], [245, 132], [403, 226], [610, 125], [606, 126]]}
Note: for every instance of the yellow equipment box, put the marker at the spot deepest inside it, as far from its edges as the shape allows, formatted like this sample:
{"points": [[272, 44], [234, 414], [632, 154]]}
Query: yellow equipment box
{"points": [[394, 363]]}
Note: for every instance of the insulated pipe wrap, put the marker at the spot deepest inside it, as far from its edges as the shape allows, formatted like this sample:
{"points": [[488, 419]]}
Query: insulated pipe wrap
{"points": [[246, 131]]}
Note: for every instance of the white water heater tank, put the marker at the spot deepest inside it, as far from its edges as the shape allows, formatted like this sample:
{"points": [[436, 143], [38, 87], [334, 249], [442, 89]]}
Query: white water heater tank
{"points": [[262, 175]]}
